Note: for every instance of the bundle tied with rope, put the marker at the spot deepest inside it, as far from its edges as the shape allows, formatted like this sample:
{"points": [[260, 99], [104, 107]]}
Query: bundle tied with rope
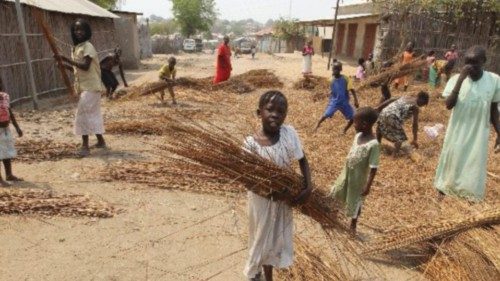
{"points": [[210, 148], [396, 71]]}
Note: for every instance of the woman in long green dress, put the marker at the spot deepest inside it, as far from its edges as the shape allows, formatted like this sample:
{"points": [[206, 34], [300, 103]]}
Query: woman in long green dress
{"points": [[473, 97]]}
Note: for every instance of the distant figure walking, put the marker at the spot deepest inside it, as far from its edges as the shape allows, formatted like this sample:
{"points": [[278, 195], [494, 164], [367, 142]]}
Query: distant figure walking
{"points": [[407, 57], [307, 54], [223, 67], [107, 76]]}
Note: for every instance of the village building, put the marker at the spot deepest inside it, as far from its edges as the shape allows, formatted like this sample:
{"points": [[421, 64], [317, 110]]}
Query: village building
{"points": [[127, 39], [59, 16], [357, 31]]}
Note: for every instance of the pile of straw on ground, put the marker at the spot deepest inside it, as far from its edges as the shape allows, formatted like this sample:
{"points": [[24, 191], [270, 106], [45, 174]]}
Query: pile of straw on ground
{"points": [[239, 84], [45, 202], [171, 174], [143, 126], [44, 150]]}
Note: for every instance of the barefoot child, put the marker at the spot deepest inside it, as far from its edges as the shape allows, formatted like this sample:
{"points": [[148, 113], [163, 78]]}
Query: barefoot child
{"points": [[271, 219], [168, 73], [107, 76], [339, 97], [85, 64], [355, 181], [7, 149]]}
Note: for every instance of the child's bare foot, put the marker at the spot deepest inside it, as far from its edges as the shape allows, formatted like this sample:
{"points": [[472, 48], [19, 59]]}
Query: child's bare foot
{"points": [[84, 152], [4, 183], [13, 178]]}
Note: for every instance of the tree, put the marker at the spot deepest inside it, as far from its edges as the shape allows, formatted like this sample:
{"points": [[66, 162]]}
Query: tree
{"points": [[287, 29], [194, 16], [107, 4], [163, 27]]}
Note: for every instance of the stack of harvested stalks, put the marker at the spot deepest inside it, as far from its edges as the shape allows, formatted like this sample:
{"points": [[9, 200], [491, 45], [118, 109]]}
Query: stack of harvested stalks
{"points": [[144, 126], [213, 149], [171, 175], [393, 72], [44, 150], [44, 202], [318, 85], [309, 265], [243, 83]]}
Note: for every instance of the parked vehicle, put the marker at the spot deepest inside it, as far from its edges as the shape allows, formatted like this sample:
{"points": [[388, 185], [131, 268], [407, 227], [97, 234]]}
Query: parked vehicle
{"points": [[246, 47], [189, 45]]}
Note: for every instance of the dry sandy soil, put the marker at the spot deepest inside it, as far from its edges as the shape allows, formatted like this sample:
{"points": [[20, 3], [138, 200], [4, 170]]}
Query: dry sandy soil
{"points": [[169, 234]]}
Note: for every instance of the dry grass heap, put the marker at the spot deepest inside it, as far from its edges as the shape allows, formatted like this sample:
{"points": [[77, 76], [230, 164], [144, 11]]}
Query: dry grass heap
{"points": [[45, 202], [44, 150], [441, 229], [239, 84], [143, 126], [319, 86], [172, 175]]}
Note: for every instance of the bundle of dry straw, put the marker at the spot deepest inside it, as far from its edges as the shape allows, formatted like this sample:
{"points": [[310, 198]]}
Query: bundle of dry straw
{"points": [[145, 126], [44, 150], [393, 72], [213, 149], [441, 229], [44, 202]]}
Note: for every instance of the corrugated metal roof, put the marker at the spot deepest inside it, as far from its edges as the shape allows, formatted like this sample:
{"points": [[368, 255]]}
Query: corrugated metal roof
{"points": [[79, 7], [329, 22]]}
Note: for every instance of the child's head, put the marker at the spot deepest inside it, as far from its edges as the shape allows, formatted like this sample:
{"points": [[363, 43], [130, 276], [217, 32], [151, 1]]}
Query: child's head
{"points": [[273, 107], [409, 46], [172, 61], [80, 31], [226, 39], [453, 47], [475, 57], [361, 61], [431, 53], [364, 119], [337, 68], [422, 98]]}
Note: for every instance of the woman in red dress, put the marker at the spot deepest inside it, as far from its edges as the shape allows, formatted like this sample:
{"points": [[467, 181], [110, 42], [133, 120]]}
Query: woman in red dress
{"points": [[223, 68]]}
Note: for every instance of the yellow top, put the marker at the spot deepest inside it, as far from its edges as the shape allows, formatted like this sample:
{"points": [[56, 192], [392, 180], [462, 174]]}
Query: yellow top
{"points": [[89, 80], [165, 72], [347, 79]]}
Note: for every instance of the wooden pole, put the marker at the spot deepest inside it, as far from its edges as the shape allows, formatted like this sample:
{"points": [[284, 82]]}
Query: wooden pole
{"points": [[333, 35], [27, 55], [53, 46]]}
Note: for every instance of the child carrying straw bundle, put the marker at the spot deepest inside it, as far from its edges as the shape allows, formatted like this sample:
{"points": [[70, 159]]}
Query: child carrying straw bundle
{"points": [[271, 219], [356, 179]]}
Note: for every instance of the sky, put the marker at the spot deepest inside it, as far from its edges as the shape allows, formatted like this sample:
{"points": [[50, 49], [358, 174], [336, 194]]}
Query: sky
{"points": [[260, 10]]}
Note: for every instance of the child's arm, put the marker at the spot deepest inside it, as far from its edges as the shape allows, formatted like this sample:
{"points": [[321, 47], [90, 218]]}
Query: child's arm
{"points": [[415, 127], [495, 121], [385, 104], [85, 65], [366, 190], [14, 122], [356, 103], [306, 191]]}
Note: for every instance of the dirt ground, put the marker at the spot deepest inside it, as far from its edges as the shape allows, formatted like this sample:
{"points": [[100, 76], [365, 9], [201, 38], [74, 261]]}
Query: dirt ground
{"points": [[157, 234]]}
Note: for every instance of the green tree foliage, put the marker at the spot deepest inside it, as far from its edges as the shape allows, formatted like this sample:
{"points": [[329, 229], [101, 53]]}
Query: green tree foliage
{"points": [[194, 16], [164, 27], [107, 4], [287, 29]]}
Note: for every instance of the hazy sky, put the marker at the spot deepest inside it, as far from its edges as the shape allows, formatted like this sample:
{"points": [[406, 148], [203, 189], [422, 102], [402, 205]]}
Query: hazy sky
{"points": [[260, 10]]}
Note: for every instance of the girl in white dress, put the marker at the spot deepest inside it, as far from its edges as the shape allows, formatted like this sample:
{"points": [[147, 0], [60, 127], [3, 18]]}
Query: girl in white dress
{"points": [[271, 219]]}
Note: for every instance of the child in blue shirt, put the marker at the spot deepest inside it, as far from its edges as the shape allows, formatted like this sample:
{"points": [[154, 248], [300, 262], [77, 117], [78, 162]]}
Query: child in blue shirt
{"points": [[339, 97]]}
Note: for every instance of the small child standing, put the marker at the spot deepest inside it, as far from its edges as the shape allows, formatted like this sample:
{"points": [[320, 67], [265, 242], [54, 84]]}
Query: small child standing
{"points": [[85, 65], [7, 149], [339, 97], [271, 219], [356, 179], [361, 70], [168, 73], [253, 49]]}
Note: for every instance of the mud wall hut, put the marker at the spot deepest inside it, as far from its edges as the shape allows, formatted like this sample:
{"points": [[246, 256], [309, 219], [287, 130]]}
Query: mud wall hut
{"points": [[59, 15], [127, 35]]}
